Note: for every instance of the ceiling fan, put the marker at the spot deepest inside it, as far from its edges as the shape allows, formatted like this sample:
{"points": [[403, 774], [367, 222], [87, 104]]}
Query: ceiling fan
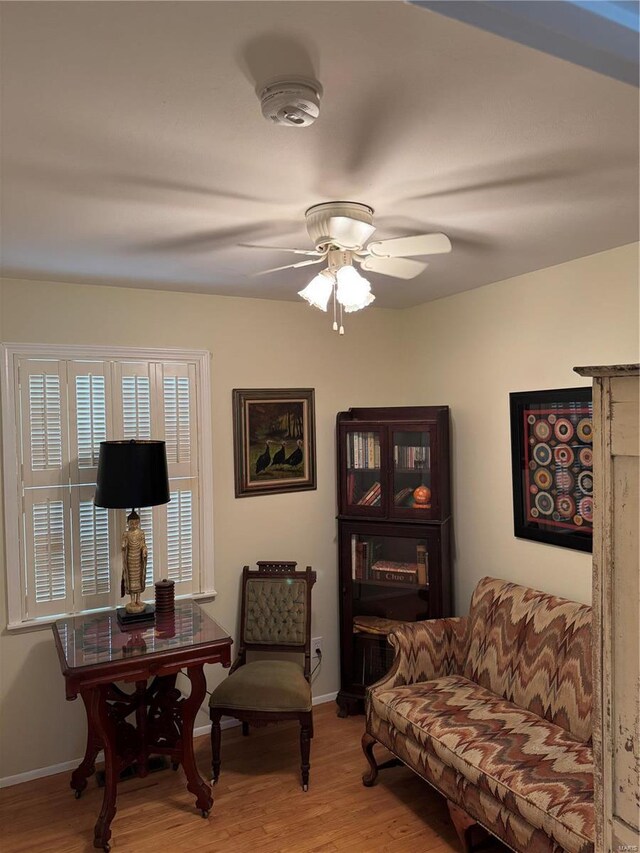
{"points": [[339, 231]]}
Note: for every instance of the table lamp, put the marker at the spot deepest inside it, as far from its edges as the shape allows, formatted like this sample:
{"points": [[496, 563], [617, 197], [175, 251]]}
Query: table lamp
{"points": [[132, 474]]}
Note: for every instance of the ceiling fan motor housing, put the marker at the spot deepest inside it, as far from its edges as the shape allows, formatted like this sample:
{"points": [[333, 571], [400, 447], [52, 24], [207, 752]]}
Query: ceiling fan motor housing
{"points": [[292, 102], [343, 224]]}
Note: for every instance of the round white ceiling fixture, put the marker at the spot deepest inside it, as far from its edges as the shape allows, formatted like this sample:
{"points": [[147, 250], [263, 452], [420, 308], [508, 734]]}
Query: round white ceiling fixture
{"points": [[291, 102], [345, 224]]}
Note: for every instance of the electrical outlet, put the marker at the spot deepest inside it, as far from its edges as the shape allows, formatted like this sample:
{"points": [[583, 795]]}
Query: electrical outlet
{"points": [[316, 647]]}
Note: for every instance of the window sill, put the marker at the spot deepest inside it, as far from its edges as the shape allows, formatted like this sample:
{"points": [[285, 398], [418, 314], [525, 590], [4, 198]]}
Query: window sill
{"points": [[47, 621]]}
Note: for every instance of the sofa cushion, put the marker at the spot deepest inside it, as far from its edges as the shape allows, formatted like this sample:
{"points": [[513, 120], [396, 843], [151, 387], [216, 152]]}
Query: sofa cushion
{"points": [[533, 767], [517, 833], [534, 650]]}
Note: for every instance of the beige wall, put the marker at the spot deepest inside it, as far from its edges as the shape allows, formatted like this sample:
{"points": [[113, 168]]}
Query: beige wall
{"points": [[526, 333], [254, 343], [467, 351]]}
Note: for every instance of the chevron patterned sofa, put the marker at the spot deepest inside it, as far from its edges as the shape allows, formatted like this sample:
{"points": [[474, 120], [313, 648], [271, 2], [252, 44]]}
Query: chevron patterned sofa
{"points": [[494, 710]]}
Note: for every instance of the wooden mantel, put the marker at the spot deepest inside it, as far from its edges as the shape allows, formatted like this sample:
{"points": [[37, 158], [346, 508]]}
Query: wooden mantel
{"points": [[609, 370]]}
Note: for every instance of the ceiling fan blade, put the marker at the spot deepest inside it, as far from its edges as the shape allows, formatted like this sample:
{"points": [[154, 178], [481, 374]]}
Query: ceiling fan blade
{"points": [[281, 249], [406, 247], [396, 267], [290, 266]]}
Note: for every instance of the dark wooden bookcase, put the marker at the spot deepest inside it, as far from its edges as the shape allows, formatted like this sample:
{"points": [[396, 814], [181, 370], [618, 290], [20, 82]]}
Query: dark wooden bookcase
{"points": [[394, 522]]}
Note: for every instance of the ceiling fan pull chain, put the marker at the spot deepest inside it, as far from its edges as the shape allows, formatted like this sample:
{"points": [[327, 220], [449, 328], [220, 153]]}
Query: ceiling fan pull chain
{"points": [[341, 332], [335, 316]]}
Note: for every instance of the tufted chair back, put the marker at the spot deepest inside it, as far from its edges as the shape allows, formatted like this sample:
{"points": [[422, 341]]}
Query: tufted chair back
{"points": [[276, 609]]}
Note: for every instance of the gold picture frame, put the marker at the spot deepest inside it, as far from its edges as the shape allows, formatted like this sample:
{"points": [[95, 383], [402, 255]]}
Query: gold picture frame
{"points": [[273, 440]]}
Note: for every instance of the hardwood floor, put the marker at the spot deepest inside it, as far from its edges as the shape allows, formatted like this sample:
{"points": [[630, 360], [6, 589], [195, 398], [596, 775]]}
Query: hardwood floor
{"points": [[259, 805]]}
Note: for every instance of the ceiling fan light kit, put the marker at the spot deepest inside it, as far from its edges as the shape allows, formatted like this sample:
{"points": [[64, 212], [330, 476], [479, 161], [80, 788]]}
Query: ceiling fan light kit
{"points": [[319, 289]]}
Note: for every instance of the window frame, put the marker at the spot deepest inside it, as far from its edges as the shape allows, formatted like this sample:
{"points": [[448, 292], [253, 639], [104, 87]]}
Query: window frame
{"points": [[11, 353]]}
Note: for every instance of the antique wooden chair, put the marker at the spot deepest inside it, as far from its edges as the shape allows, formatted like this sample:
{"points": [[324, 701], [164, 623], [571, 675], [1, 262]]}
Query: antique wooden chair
{"points": [[275, 617]]}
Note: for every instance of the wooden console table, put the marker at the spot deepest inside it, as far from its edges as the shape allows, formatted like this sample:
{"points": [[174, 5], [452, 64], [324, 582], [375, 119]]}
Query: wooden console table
{"points": [[95, 653]]}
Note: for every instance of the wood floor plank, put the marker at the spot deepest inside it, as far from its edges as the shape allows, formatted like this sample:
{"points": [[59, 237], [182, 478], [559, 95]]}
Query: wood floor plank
{"points": [[259, 806]]}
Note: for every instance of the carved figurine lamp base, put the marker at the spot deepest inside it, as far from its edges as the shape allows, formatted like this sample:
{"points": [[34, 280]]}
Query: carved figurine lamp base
{"points": [[133, 474]]}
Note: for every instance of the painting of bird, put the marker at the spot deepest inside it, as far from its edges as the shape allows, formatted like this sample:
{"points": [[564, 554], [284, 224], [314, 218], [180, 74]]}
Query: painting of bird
{"points": [[279, 455], [295, 458], [264, 460]]}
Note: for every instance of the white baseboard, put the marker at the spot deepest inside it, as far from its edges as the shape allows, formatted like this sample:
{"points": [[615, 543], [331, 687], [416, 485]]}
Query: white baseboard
{"points": [[52, 769]]}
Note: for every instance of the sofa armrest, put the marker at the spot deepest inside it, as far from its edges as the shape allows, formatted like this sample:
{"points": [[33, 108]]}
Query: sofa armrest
{"points": [[425, 650]]}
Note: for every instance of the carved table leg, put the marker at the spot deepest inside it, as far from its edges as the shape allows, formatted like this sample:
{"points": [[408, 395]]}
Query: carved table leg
{"points": [[106, 730], [215, 745], [141, 726], [195, 783], [87, 766]]}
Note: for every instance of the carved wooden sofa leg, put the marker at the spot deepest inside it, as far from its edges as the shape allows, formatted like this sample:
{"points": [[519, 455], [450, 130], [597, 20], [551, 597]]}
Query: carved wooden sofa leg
{"points": [[369, 778], [469, 831], [368, 743]]}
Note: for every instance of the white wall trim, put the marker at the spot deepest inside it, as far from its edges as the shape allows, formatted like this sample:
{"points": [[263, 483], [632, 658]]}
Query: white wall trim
{"points": [[52, 769]]}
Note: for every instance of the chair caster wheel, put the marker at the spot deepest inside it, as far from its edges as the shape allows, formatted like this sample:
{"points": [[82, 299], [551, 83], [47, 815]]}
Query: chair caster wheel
{"points": [[106, 848], [77, 794], [305, 787], [204, 813]]}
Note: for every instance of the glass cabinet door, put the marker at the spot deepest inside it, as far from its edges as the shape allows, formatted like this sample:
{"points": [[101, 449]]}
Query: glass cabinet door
{"points": [[390, 585], [363, 484], [389, 562], [412, 482]]}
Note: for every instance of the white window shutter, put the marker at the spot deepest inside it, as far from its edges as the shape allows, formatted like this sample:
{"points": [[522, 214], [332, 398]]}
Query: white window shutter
{"points": [[182, 539], [178, 417], [49, 586], [67, 556], [132, 414], [94, 552], [146, 524], [89, 419], [43, 420]]}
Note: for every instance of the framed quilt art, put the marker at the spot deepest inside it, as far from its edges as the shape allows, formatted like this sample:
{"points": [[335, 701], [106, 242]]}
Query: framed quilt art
{"points": [[552, 459]]}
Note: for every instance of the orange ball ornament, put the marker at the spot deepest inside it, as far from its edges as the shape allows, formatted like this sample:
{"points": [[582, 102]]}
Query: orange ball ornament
{"points": [[422, 497]]}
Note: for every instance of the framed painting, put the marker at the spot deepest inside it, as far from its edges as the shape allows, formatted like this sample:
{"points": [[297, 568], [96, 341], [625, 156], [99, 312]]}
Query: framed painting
{"points": [[551, 459], [273, 440]]}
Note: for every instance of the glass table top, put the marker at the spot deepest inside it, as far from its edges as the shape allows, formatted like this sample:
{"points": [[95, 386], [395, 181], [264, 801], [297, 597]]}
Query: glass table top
{"points": [[97, 638]]}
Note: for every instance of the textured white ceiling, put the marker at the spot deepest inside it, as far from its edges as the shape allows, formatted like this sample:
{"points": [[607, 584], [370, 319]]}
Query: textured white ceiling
{"points": [[134, 151]]}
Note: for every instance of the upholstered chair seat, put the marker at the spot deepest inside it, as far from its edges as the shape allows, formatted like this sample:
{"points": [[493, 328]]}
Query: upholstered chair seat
{"points": [[275, 621], [265, 685]]}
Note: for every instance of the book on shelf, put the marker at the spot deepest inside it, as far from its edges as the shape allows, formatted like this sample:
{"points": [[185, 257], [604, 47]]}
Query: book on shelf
{"points": [[411, 457], [372, 496], [394, 571], [401, 496], [361, 560], [423, 564], [363, 450], [351, 486]]}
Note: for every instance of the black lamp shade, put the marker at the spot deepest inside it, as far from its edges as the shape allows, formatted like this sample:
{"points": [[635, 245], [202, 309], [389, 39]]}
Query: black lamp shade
{"points": [[132, 474]]}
